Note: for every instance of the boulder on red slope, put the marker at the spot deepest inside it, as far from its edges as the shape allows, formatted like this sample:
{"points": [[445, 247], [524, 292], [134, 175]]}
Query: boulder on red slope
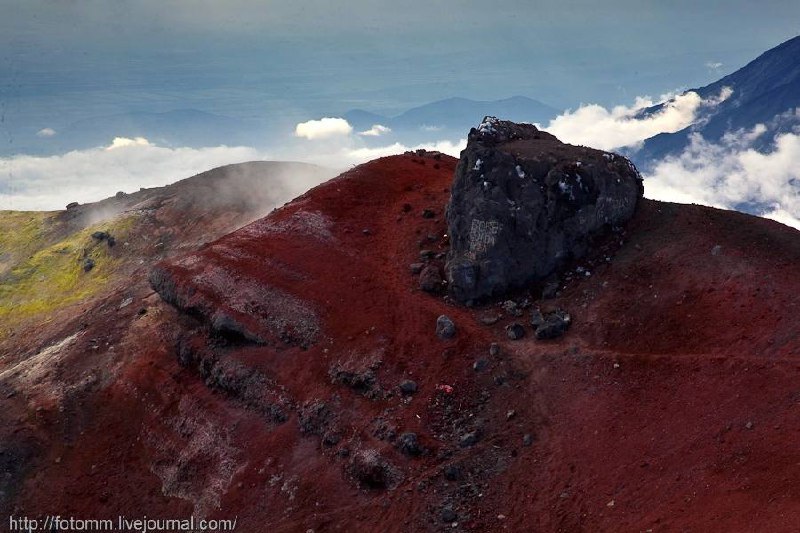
{"points": [[523, 203]]}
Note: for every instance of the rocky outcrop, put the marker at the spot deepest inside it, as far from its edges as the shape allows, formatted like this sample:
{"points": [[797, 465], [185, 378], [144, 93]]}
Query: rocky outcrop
{"points": [[523, 203]]}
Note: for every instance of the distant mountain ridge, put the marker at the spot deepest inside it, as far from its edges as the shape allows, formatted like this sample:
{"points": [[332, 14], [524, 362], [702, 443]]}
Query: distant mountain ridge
{"points": [[765, 91], [451, 117]]}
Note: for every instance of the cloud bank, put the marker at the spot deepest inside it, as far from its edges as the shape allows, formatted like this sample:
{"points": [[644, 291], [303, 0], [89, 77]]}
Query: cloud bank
{"points": [[608, 129], [731, 173], [49, 183], [45, 183]]}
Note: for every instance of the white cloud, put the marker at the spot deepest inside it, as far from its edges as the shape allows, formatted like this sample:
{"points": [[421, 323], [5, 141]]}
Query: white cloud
{"points": [[730, 172], [426, 127], [37, 183], [46, 132], [376, 131], [323, 128], [608, 129], [713, 65], [125, 142], [48, 183]]}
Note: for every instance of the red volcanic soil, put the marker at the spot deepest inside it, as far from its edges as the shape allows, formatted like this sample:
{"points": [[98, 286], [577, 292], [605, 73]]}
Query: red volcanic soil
{"points": [[269, 393]]}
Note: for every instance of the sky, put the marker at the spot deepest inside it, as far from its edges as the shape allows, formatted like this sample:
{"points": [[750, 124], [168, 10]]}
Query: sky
{"points": [[283, 64]]}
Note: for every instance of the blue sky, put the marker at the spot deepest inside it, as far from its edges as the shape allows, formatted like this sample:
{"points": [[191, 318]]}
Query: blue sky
{"points": [[271, 65], [246, 58]]}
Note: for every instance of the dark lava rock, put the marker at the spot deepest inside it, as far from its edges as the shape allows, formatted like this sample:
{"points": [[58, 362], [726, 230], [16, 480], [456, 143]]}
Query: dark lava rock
{"points": [[416, 268], [527, 439], [553, 325], [72, 205], [515, 331], [494, 349], [428, 213], [489, 320], [313, 417], [408, 444], [468, 439], [100, 235], [331, 439], [550, 290], [512, 308], [427, 255], [523, 203], [448, 515], [361, 379], [430, 279], [480, 365], [452, 473], [445, 327], [537, 318], [408, 386], [373, 471], [88, 264]]}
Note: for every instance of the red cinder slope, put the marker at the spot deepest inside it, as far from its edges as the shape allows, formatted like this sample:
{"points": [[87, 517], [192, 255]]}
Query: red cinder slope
{"points": [[269, 390]]}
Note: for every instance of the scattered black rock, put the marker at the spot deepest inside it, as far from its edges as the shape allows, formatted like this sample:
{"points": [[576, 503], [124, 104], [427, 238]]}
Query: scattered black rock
{"points": [[448, 515], [314, 417], [430, 279], [100, 235], [373, 471], [554, 325], [416, 268], [357, 375], [426, 255], [452, 473], [111, 241], [72, 205], [445, 327], [428, 213], [515, 331], [88, 264], [331, 439], [511, 307], [489, 320], [468, 439], [408, 386], [480, 365], [120, 195], [494, 349], [407, 207], [537, 318], [523, 204], [550, 290], [408, 443], [527, 439]]}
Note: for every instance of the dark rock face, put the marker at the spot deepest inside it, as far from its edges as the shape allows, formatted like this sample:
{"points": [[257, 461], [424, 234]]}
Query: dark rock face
{"points": [[523, 203], [445, 327], [551, 325]]}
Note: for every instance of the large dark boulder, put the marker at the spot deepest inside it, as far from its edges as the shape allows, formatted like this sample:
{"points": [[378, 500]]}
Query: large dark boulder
{"points": [[523, 203]]}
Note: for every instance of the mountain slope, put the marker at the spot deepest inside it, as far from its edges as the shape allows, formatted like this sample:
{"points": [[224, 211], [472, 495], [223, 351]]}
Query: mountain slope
{"points": [[765, 91], [269, 388]]}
